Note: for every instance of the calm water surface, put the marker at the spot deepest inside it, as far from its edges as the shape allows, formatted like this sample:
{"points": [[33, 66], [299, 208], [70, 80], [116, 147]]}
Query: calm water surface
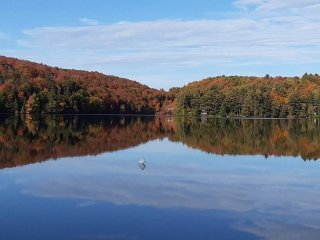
{"points": [[78, 178]]}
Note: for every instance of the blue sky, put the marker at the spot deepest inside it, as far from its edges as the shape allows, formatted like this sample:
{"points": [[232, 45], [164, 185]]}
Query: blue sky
{"points": [[165, 43]]}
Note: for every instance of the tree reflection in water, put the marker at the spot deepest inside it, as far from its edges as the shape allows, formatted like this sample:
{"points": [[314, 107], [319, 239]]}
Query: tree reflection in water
{"points": [[28, 139]]}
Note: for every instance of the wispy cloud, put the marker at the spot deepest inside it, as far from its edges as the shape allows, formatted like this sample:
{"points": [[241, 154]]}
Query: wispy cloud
{"points": [[274, 5], [89, 21], [291, 38], [246, 4], [254, 38]]}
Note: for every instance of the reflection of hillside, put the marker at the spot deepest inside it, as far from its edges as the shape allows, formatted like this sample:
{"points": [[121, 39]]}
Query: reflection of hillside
{"points": [[252, 137], [26, 140]]}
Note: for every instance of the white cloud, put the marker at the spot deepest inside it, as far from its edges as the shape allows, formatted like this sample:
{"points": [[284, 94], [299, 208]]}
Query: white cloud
{"points": [[273, 5], [89, 21], [246, 4], [255, 38], [291, 38]]}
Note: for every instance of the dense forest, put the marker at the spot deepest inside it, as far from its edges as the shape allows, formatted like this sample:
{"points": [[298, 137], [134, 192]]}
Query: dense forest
{"points": [[268, 97], [26, 139], [27, 87]]}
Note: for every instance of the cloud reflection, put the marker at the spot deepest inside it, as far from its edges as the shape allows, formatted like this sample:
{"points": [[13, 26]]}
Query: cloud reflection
{"points": [[270, 230], [269, 192]]}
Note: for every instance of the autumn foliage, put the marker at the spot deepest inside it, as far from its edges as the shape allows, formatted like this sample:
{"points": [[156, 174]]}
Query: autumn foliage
{"points": [[265, 97], [28, 87]]}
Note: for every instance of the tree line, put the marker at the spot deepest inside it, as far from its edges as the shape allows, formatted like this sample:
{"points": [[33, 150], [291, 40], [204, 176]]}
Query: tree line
{"points": [[267, 97], [27, 87]]}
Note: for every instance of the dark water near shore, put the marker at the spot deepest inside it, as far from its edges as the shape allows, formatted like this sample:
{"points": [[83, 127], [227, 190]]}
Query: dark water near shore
{"points": [[78, 178]]}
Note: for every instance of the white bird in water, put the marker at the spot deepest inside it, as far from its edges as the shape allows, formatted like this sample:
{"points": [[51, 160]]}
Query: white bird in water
{"points": [[142, 161], [142, 164]]}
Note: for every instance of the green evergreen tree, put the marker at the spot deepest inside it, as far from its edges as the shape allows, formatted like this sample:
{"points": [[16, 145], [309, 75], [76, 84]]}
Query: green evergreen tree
{"points": [[223, 111]]}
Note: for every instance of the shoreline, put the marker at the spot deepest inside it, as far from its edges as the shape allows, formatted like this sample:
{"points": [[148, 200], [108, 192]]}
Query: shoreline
{"points": [[157, 115]]}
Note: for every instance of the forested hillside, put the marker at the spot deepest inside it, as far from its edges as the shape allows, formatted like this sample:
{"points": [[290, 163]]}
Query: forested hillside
{"points": [[27, 87], [252, 97]]}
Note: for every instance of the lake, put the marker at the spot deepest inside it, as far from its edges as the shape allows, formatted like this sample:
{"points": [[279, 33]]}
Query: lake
{"points": [[79, 178]]}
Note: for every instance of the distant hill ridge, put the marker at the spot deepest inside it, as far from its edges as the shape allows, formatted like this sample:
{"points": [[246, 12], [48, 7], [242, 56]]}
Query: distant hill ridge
{"points": [[266, 97], [31, 87]]}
